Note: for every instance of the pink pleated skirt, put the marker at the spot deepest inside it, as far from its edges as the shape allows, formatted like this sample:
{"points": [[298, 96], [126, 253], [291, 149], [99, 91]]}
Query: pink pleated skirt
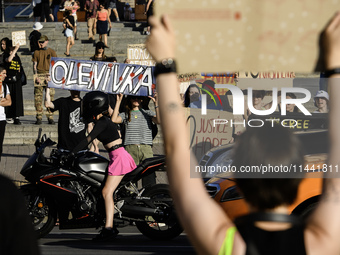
{"points": [[121, 162]]}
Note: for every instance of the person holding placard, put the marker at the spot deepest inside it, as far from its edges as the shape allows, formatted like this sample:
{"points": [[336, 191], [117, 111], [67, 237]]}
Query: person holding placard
{"points": [[138, 124], [5, 100], [12, 63], [269, 229]]}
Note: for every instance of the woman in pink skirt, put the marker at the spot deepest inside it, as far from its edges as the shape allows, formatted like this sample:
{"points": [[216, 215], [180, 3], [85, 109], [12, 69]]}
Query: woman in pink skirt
{"points": [[95, 109]]}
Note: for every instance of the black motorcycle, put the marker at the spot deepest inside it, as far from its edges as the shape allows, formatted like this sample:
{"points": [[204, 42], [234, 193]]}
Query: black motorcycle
{"points": [[68, 187]]}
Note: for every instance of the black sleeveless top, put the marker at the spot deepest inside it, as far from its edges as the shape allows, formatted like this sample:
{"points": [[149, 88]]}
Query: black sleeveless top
{"points": [[263, 242], [104, 130]]}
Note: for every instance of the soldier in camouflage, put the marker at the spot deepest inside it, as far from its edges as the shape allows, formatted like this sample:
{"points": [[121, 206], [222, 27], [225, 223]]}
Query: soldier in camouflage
{"points": [[41, 64]]}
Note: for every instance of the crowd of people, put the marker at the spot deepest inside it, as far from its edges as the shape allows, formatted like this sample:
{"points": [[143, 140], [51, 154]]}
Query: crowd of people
{"points": [[127, 135]]}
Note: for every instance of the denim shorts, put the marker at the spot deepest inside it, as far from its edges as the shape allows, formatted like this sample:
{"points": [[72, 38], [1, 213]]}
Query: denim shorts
{"points": [[112, 4], [68, 32]]}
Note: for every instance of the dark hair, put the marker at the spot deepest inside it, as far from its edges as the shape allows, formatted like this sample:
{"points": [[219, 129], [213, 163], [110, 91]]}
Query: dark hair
{"points": [[207, 84], [67, 13], [128, 106], [293, 96], [5, 39], [99, 45], [9, 44], [264, 146], [187, 96], [259, 93], [2, 67]]}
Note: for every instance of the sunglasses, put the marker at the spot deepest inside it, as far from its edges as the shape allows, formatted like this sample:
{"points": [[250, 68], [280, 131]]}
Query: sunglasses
{"points": [[100, 47]]}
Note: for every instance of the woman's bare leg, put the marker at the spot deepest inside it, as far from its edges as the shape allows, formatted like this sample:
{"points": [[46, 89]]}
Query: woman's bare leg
{"points": [[111, 184]]}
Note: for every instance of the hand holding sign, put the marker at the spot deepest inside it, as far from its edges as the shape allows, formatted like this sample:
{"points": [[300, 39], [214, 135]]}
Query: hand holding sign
{"points": [[19, 38], [161, 44]]}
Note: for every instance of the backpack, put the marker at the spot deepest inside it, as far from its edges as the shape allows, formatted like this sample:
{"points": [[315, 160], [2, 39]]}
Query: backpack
{"points": [[34, 38]]}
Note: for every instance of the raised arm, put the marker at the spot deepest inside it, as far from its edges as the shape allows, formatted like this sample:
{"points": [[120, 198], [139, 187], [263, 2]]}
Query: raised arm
{"points": [[12, 54], [48, 102], [115, 115], [156, 119], [324, 225], [203, 220], [6, 101]]}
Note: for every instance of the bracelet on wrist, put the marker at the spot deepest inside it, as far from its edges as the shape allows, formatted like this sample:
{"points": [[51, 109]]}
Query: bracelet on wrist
{"points": [[330, 72], [167, 65], [156, 106]]}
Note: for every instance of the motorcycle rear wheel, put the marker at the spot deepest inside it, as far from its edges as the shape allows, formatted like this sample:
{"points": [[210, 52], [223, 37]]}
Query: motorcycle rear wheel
{"points": [[43, 214], [162, 227]]}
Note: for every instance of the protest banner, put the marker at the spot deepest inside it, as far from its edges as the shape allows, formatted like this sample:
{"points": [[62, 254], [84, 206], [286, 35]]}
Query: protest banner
{"points": [[86, 75], [139, 55], [203, 134], [265, 80], [19, 37], [219, 35]]}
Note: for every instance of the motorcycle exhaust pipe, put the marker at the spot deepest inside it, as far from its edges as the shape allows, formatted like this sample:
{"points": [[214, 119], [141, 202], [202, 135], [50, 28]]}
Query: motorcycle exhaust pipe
{"points": [[138, 211]]}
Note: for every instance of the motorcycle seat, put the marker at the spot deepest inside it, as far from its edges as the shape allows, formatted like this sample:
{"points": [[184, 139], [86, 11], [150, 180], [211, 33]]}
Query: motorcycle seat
{"points": [[147, 163], [152, 161]]}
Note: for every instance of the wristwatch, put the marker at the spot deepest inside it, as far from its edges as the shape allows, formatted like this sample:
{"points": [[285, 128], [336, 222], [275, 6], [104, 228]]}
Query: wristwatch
{"points": [[167, 65], [328, 73]]}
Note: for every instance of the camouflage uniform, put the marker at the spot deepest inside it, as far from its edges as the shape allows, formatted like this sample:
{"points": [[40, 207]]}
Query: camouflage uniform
{"points": [[38, 96]]}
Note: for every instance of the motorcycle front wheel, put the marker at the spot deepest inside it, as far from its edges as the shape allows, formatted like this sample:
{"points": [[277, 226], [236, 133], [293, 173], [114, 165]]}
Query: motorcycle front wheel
{"points": [[43, 214], [166, 225]]}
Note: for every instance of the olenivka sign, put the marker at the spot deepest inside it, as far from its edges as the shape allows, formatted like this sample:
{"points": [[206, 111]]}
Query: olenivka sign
{"points": [[86, 75]]}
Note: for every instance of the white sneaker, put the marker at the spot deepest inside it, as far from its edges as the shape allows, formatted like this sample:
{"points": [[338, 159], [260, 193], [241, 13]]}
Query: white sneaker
{"points": [[10, 121]]}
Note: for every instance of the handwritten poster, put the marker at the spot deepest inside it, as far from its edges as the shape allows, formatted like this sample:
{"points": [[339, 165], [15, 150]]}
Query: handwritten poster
{"points": [[204, 134], [240, 35], [85, 75], [138, 55], [19, 37]]}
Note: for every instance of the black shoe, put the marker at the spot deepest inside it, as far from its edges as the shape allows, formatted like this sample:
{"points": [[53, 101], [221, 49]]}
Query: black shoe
{"points": [[17, 122], [106, 235], [51, 121], [38, 122]]}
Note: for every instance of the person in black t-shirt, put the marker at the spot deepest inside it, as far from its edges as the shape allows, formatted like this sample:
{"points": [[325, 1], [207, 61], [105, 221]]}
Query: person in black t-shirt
{"points": [[71, 131], [12, 63], [35, 36], [16, 231]]}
